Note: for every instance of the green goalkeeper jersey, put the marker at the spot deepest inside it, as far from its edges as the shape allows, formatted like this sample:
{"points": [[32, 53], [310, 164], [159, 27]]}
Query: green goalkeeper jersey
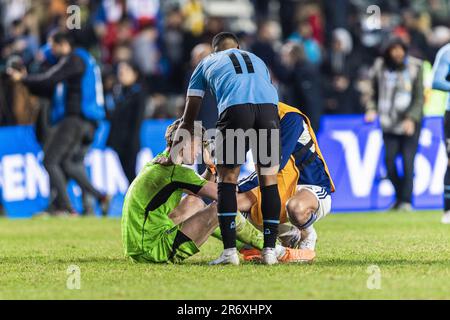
{"points": [[155, 192]]}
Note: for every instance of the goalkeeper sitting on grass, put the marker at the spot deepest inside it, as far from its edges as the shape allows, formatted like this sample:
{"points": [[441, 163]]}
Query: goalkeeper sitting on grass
{"points": [[158, 225]]}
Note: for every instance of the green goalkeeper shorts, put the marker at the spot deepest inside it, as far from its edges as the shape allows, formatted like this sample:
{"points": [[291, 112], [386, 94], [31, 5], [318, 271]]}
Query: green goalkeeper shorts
{"points": [[172, 247]]}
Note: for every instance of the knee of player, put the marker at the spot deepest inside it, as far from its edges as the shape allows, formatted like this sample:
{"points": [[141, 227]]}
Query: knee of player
{"points": [[297, 211], [195, 202], [213, 220]]}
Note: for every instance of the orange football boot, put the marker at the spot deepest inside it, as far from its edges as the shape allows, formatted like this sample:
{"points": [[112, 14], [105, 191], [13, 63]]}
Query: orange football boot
{"points": [[251, 254], [298, 255]]}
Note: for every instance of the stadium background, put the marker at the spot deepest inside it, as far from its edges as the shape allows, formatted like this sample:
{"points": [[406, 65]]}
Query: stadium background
{"points": [[165, 32]]}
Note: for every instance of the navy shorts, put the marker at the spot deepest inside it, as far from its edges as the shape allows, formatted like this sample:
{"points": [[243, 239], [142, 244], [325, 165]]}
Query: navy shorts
{"points": [[248, 126]]}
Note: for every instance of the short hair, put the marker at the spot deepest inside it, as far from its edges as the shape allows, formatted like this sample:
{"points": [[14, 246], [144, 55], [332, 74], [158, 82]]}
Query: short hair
{"points": [[222, 36], [171, 129], [62, 36]]}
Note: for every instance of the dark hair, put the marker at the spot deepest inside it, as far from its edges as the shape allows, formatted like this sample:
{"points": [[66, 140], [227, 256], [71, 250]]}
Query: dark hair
{"points": [[220, 37], [391, 42], [62, 36]]}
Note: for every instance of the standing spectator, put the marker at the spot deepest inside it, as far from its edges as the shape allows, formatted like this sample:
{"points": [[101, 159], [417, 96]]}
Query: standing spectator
{"points": [[287, 15], [302, 83], [21, 42], [73, 166], [336, 14], [194, 17], [213, 26], [177, 44], [264, 46], [397, 99], [127, 118], [261, 10], [417, 41], [304, 36], [147, 55], [115, 35], [339, 71], [82, 107]]}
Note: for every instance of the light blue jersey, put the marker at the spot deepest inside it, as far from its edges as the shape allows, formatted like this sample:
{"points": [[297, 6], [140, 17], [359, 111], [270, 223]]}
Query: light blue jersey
{"points": [[234, 77], [441, 69]]}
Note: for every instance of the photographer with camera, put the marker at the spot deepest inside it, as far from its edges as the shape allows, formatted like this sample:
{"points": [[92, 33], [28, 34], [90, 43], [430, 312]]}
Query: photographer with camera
{"points": [[82, 107]]}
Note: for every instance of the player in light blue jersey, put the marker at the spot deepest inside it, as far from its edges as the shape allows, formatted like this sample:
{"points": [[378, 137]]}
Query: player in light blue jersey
{"points": [[441, 81], [248, 117], [236, 77]]}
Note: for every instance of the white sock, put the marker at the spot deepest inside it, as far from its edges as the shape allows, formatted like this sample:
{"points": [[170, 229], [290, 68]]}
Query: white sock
{"points": [[229, 251], [279, 251]]}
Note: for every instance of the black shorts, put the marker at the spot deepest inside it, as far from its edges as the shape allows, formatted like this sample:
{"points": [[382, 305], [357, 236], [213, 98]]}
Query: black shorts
{"points": [[248, 126], [447, 132]]}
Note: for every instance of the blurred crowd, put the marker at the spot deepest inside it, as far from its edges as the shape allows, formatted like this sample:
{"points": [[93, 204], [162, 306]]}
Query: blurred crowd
{"points": [[319, 52]]}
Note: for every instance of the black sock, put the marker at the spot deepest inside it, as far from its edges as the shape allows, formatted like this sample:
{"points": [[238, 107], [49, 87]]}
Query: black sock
{"points": [[447, 190], [270, 207], [227, 210]]}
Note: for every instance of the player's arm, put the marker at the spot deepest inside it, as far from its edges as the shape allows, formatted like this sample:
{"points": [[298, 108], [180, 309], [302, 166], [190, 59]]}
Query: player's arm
{"points": [[193, 104], [63, 70], [209, 190], [291, 129], [194, 97], [441, 70], [196, 91], [194, 184], [209, 175]]}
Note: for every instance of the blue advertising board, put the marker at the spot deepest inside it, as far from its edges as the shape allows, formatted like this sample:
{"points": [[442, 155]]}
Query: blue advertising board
{"points": [[355, 155], [353, 150]]}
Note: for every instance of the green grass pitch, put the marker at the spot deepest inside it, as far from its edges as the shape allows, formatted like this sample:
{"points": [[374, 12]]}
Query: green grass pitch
{"points": [[411, 250]]}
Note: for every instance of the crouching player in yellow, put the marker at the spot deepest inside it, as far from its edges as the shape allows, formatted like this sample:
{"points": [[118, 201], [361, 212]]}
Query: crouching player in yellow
{"points": [[159, 225], [304, 184]]}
